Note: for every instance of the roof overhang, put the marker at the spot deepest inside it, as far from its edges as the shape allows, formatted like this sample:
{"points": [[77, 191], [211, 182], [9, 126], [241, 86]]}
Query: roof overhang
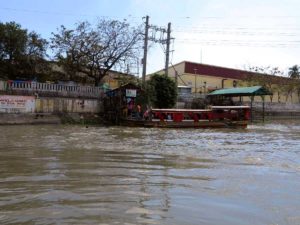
{"points": [[241, 91]]}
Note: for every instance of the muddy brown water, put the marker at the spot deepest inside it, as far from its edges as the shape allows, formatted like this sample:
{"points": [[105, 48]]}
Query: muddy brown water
{"points": [[119, 175]]}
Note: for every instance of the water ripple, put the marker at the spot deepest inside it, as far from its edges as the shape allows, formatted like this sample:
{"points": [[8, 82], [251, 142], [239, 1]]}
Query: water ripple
{"points": [[120, 175]]}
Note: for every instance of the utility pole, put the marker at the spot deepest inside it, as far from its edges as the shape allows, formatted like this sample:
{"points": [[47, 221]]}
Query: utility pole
{"points": [[157, 35], [176, 78], [145, 51], [138, 67], [168, 49]]}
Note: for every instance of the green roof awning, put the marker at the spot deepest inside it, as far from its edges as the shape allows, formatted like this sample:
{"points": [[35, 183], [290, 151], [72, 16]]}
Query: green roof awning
{"points": [[242, 91]]}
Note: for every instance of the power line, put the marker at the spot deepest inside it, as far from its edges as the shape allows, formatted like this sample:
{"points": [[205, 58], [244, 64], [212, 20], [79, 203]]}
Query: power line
{"points": [[246, 17], [239, 44], [246, 41], [242, 33], [235, 28]]}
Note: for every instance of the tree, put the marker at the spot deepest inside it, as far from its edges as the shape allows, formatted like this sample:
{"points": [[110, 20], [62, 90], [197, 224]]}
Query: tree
{"points": [[22, 54], [294, 72], [265, 76], [94, 50], [162, 91], [12, 47], [34, 63]]}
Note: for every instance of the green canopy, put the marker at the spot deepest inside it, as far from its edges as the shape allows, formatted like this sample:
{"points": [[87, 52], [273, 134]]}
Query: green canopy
{"points": [[242, 91]]}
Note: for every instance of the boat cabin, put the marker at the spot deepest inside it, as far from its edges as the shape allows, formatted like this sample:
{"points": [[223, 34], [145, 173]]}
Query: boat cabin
{"points": [[233, 113], [215, 117]]}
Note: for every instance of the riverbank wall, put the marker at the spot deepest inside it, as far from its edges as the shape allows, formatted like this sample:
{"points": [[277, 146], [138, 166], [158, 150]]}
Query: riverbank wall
{"points": [[15, 109], [41, 103]]}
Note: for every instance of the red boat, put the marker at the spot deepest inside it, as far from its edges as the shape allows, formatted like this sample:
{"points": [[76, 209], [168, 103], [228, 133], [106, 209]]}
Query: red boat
{"points": [[215, 117]]}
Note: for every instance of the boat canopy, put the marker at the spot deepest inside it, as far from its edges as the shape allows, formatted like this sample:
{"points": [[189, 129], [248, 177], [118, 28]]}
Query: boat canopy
{"points": [[198, 110], [241, 91], [180, 110]]}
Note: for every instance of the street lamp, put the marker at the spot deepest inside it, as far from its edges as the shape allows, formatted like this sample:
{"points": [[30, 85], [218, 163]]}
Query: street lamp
{"points": [[204, 86]]}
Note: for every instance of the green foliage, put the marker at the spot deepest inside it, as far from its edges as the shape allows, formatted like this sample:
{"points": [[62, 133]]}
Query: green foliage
{"points": [[162, 91], [294, 72], [22, 54]]}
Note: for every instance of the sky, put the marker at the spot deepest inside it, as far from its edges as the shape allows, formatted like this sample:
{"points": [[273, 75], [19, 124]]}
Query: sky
{"points": [[229, 33]]}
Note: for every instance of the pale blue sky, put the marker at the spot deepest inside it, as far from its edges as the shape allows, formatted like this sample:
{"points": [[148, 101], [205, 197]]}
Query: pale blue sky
{"points": [[230, 33]]}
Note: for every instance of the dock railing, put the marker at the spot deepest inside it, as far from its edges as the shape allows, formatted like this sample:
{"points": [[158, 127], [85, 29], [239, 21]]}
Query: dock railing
{"points": [[50, 89]]}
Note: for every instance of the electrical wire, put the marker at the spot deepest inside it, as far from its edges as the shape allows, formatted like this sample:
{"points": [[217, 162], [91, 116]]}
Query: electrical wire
{"points": [[240, 33], [238, 44]]}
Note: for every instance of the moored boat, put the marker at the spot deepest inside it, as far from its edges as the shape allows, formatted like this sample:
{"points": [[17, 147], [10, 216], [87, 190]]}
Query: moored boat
{"points": [[215, 117], [123, 107]]}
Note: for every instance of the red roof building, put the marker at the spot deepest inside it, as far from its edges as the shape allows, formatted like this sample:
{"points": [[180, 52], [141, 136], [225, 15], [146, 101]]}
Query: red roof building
{"points": [[203, 78]]}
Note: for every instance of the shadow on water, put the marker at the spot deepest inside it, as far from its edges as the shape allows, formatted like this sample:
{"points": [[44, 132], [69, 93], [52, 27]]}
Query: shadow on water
{"points": [[119, 175]]}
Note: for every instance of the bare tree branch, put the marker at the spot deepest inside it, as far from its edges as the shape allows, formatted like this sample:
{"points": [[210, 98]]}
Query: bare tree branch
{"points": [[94, 51]]}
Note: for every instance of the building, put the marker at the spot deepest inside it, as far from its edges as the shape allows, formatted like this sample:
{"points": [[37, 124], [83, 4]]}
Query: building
{"points": [[203, 79], [113, 79]]}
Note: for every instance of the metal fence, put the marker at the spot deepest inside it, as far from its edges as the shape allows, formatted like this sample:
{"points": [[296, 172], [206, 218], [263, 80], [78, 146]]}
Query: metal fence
{"points": [[182, 97], [49, 89]]}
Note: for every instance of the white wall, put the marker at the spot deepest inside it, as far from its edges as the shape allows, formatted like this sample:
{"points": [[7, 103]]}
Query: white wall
{"points": [[17, 104], [31, 104]]}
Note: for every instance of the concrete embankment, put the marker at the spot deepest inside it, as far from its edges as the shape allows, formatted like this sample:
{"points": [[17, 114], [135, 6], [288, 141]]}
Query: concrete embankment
{"points": [[32, 118], [47, 118]]}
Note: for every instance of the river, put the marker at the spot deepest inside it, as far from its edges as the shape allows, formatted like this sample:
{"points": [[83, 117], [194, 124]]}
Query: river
{"points": [[63, 174]]}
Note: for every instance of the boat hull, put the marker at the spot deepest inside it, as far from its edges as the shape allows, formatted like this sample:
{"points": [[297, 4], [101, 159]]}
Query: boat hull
{"points": [[185, 124]]}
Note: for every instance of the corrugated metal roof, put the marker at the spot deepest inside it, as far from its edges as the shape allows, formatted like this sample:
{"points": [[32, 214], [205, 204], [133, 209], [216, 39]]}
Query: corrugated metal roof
{"points": [[242, 91], [217, 71]]}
